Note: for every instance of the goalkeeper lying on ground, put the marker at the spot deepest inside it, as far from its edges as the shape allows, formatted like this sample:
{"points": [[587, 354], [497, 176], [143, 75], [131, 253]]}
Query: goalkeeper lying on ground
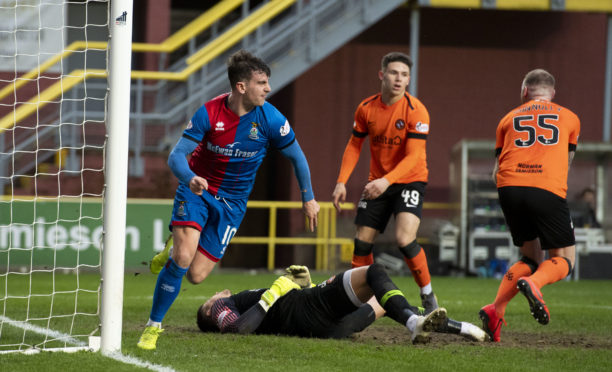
{"points": [[336, 308]]}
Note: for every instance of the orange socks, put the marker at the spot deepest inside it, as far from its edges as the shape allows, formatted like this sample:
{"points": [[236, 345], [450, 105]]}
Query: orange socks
{"points": [[507, 288], [362, 254], [550, 271], [359, 261], [418, 267]]}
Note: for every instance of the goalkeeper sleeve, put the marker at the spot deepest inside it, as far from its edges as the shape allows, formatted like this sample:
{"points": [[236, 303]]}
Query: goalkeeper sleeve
{"points": [[279, 288]]}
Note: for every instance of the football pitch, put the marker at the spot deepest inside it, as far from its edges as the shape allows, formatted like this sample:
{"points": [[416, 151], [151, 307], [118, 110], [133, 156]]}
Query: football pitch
{"points": [[578, 337]]}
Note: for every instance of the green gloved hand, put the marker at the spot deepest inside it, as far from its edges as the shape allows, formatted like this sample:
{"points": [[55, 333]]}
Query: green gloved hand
{"points": [[299, 275], [279, 288]]}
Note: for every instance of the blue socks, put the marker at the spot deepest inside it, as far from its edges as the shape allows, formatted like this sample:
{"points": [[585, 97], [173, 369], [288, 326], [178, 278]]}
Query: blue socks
{"points": [[167, 289]]}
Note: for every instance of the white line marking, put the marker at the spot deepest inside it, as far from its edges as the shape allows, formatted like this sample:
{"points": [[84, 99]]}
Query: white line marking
{"points": [[69, 339], [42, 331], [137, 362]]}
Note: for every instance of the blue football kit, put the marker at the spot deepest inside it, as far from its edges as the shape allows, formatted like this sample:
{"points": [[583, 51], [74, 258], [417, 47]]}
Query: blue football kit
{"points": [[229, 150]]}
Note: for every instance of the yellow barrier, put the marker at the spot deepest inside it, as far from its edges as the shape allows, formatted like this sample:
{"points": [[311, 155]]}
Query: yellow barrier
{"points": [[48, 95], [568, 5], [172, 43], [246, 26], [325, 233], [204, 55], [325, 240]]}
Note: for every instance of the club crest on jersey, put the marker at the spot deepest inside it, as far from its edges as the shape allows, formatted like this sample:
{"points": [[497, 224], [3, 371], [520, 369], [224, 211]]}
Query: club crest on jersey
{"points": [[422, 127], [219, 127], [400, 124], [284, 130], [181, 210], [254, 133]]}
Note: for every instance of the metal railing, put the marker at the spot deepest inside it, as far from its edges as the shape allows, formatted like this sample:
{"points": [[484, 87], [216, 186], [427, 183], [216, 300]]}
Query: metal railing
{"points": [[291, 35], [178, 39], [325, 241]]}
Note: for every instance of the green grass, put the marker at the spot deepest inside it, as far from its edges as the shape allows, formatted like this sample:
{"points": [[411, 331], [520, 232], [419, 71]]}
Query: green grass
{"points": [[577, 338]]}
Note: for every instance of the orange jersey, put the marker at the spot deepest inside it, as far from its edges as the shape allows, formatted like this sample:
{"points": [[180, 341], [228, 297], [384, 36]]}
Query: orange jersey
{"points": [[533, 143], [398, 134]]}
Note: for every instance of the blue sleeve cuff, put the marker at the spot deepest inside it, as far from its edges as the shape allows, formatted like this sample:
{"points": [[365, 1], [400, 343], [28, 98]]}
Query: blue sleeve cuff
{"points": [[177, 161], [300, 166]]}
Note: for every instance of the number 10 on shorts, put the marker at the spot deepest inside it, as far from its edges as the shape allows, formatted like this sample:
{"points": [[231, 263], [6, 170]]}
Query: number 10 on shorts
{"points": [[227, 236]]}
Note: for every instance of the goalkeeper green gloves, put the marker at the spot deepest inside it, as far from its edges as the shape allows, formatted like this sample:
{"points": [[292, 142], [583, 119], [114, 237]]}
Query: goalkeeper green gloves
{"points": [[299, 275], [279, 288]]}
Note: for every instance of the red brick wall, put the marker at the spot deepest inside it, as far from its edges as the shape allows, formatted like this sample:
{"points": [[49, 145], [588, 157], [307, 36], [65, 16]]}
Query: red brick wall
{"points": [[471, 64]]}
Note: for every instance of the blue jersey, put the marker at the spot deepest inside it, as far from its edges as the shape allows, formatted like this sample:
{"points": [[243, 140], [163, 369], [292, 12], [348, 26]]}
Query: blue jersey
{"points": [[231, 148]]}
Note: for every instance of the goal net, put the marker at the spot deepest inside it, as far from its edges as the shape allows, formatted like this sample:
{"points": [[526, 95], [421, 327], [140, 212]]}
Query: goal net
{"points": [[53, 99]]}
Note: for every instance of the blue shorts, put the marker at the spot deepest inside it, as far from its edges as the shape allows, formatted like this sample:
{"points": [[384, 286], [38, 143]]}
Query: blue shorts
{"points": [[215, 217]]}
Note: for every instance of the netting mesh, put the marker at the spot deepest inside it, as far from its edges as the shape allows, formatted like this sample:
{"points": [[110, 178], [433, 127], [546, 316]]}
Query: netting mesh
{"points": [[53, 93]]}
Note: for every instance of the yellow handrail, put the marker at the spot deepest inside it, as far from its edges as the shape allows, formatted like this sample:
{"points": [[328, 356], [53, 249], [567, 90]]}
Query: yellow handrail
{"points": [[325, 233], [172, 43], [206, 54], [47, 96], [325, 257], [193, 28], [568, 5], [246, 26], [36, 71]]}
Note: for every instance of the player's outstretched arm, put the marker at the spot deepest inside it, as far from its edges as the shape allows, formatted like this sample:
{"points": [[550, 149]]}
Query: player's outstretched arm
{"points": [[309, 205], [279, 288], [295, 154], [223, 315]]}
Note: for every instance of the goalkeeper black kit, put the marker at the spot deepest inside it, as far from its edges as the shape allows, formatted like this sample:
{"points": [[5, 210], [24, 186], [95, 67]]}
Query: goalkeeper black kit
{"points": [[324, 311]]}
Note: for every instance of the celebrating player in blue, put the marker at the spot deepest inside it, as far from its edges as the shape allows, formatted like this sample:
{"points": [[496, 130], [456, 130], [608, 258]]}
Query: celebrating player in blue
{"points": [[227, 139]]}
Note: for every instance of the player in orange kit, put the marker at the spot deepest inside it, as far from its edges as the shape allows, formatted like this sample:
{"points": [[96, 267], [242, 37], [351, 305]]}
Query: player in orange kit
{"points": [[535, 145], [398, 125]]}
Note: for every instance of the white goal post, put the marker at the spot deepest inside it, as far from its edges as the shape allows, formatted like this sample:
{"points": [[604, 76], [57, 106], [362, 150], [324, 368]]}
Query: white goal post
{"points": [[113, 256], [64, 127]]}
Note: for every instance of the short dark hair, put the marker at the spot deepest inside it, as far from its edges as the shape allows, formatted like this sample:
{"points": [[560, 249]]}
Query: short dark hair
{"points": [[242, 64], [206, 323], [539, 77], [395, 57]]}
